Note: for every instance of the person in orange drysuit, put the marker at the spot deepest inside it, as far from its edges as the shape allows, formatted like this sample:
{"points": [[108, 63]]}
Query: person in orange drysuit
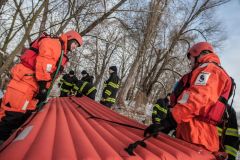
{"points": [[29, 84], [207, 82]]}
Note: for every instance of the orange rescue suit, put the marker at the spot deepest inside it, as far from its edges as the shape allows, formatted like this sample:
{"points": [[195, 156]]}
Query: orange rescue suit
{"points": [[23, 86], [207, 83]]}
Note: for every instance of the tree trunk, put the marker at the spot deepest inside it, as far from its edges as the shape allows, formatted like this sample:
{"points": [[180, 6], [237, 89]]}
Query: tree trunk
{"points": [[2, 3], [10, 59], [44, 18], [104, 16], [149, 31]]}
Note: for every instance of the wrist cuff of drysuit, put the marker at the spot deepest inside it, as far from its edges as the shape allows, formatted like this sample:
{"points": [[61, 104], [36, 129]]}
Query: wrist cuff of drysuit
{"points": [[42, 84]]}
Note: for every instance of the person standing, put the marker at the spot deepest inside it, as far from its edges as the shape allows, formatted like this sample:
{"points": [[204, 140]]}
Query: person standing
{"points": [[32, 77], [198, 107], [160, 109], [110, 89]]}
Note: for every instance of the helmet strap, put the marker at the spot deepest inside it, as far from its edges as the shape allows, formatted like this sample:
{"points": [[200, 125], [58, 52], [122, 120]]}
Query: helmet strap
{"points": [[69, 42]]}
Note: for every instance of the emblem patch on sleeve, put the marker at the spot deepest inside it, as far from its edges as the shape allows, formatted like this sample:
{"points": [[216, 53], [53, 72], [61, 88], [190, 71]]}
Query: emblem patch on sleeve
{"points": [[49, 68], [202, 78]]}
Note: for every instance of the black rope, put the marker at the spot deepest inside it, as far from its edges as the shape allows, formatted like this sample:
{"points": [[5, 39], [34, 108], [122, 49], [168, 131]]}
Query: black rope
{"points": [[122, 124], [134, 145], [94, 117]]}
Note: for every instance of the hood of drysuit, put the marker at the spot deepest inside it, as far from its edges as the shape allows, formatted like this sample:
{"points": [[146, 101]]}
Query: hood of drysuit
{"points": [[211, 57]]}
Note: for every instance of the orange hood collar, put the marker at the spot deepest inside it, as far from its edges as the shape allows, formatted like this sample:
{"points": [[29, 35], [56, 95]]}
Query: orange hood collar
{"points": [[211, 57]]}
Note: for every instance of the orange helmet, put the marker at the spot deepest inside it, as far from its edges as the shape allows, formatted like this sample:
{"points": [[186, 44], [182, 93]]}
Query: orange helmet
{"points": [[197, 49], [74, 35]]}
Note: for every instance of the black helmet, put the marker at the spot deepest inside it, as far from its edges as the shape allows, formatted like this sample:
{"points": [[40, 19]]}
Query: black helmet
{"points": [[113, 68], [84, 72], [71, 72]]}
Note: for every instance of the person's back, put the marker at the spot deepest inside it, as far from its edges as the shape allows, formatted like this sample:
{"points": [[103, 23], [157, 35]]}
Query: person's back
{"points": [[193, 115], [85, 88], [206, 85]]}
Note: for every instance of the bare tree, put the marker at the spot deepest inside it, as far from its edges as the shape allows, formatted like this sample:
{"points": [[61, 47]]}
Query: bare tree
{"points": [[149, 31], [2, 3], [24, 38]]}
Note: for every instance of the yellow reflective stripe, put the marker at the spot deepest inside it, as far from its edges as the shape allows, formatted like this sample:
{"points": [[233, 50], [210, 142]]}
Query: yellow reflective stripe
{"points": [[232, 132], [154, 112], [65, 90], [229, 132], [160, 108], [219, 131], [157, 119], [67, 83], [114, 85], [230, 150], [108, 92], [84, 84], [113, 100], [90, 90], [75, 87]]}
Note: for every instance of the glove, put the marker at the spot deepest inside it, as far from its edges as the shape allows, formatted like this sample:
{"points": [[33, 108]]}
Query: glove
{"points": [[59, 85], [153, 129], [165, 126], [42, 94], [79, 94]]}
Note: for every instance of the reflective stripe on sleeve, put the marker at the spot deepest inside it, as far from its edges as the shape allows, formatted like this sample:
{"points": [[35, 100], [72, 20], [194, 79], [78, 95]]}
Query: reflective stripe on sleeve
{"points": [[108, 92], [90, 90], [230, 150], [160, 108], [82, 87], [114, 85]]}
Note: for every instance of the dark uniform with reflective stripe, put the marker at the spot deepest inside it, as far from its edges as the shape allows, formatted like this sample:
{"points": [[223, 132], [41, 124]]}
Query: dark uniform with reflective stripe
{"points": [[85, 88], [231, 138], [110, 90], [67, 83], [87, 78], [160, 110]]}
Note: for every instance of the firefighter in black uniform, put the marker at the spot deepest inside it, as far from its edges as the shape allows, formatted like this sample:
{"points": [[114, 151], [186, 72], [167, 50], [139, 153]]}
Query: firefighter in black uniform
{"points": [[160, 109], [230, 139], [110, 88], [67, 82], [85, 88]]}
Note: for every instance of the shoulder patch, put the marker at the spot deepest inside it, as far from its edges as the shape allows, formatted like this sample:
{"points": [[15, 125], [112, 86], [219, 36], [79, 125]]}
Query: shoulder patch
{"points": [[202, 78]]}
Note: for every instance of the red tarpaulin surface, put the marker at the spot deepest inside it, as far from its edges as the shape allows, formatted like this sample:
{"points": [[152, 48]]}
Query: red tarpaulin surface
{"points": [[79, 128]]}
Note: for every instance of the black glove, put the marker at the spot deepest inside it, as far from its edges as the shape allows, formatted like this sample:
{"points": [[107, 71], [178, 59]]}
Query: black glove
{"points": [[59, 85], [153, 129], [79, 94], [165, 126], [42, 94]]}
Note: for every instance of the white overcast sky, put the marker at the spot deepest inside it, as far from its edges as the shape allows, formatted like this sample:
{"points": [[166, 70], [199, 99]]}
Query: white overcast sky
{"points": [[229, 14]]}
